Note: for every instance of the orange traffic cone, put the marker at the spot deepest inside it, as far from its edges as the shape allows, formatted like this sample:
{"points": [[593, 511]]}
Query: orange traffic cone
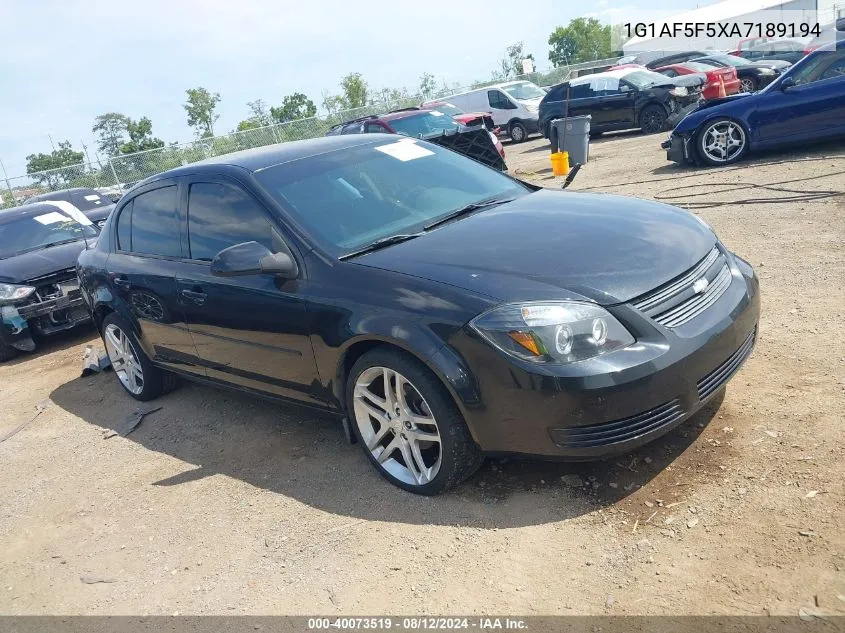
{"points": [[722, 92]]}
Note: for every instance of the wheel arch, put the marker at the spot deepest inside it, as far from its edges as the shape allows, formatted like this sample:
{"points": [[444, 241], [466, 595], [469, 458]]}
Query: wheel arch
{"points": [[445, 363]]}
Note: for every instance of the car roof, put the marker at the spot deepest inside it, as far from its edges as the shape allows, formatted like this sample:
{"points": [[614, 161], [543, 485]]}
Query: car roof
{"points": [[63, 192], [252, 160], [25, 211]]}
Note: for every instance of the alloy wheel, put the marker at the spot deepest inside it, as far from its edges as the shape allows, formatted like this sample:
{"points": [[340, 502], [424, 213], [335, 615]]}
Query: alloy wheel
{"points": [[517, 134], [653, 121], [123, 359], [746, 85], [723, 141], [397, 426]]}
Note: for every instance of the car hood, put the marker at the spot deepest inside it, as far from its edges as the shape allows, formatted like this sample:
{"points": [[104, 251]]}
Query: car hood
{"points": [[34, 264], [99, 213], [556, 245]]}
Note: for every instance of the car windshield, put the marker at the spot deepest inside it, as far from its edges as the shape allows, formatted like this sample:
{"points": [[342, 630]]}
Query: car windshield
{"points": [[426, 123], [699, 68], [646, 79], [350, 198], [728, 60], [42, 230], [525, 90]]}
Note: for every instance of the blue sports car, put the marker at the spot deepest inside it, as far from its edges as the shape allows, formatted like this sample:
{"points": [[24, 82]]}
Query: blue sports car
{"points": [[805, 104]]}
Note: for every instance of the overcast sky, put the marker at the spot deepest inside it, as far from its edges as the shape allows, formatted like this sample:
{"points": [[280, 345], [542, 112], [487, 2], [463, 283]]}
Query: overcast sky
{"points": [[63, 62]]}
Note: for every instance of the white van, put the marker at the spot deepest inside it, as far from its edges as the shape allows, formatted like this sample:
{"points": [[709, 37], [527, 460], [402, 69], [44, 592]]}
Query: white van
{"points": [[513, 104]]}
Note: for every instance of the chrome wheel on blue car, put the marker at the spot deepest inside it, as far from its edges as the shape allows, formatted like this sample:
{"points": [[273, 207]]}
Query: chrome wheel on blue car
{"points": [[722, 142]]}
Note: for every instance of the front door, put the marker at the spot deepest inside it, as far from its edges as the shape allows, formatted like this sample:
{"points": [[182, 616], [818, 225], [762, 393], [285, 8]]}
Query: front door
{"points": [[251, 330], [813, 108], [141, 273]]}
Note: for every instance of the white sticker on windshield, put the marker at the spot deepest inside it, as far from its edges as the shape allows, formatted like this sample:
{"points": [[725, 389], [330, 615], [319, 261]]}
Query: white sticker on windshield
{"points": [[435, 113], [93, 198], [51, 218], [405, 150], [71, 210]]}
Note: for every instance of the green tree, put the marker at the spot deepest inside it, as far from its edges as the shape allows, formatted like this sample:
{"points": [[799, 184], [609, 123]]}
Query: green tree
{"points": [[333, 103], [201, 106], [618, 37], [512, 61], [111, 130], [141, 137], [354, 90], [583, 39], [428, 85], [294, 107], [64, 156]]}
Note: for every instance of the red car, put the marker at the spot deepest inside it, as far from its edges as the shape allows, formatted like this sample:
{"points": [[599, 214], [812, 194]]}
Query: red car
{"points": [[623, 66], [715, 76]]}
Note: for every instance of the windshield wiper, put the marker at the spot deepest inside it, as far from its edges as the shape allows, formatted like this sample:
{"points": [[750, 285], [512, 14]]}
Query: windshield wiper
{"points": [[381, 243], [474, 206], [60, 242]]}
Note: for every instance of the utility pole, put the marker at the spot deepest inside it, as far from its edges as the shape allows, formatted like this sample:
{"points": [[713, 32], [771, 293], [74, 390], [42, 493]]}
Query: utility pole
{"points": [[8, 185], [88, 158]]}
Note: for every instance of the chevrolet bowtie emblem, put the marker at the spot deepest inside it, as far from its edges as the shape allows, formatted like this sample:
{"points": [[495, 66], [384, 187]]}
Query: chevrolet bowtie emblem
{"points": [[700, 286]]}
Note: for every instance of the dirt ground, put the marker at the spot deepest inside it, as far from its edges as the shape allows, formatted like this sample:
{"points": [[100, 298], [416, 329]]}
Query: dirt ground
{"points": [[221, 504]]}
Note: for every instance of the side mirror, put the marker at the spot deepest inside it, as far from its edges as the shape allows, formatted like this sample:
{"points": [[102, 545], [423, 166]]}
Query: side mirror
{"points": [[786, 84], [251, 258]]}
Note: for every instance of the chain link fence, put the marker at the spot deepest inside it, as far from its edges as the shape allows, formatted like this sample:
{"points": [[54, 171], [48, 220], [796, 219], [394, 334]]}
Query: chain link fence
{"points": [[115, 174]]}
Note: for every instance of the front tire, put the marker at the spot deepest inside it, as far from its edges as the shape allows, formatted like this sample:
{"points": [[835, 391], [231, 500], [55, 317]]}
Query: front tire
{"points": [[653, 119], [721, 142], [408, 424], [134, 370], [517, 132]]}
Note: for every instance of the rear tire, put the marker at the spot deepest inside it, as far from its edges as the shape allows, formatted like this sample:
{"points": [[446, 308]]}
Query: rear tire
{"points": [[748, 84], [134, 370], [653, 119], [424, 409], [517, 132]]}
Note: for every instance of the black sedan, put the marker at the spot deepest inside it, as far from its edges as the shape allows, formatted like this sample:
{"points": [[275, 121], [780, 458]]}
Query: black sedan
{"points": [[752, 76], [39, 290], [447, 310], [93, 204], [621, 100]]}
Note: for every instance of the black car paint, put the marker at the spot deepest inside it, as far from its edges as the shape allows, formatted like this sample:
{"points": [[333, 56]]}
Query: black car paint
{"points": [[616, 111], [295, 339]]}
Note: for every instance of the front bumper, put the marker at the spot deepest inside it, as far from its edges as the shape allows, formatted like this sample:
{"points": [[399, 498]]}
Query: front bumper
{"points": [[678, 149], [616, 402], [19, 322]]}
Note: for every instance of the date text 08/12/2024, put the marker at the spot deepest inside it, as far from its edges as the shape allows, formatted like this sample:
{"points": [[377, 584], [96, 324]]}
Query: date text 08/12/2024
{"points": [[480, 623], [721, 29]]}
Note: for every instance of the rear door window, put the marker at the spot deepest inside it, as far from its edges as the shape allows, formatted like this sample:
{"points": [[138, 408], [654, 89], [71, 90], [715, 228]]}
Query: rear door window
{"points": [[155, 224]]}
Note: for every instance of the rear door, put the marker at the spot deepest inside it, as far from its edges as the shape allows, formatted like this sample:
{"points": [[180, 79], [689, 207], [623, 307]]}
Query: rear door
{"points": [[141, 272], [252, 330]]}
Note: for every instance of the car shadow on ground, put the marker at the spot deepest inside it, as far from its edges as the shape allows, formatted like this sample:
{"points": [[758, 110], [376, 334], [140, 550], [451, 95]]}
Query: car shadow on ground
{"points": [[58, 342], [304, 455]]}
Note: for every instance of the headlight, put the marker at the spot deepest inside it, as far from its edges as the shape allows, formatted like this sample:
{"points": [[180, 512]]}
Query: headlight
{"points": [[11, 292], [767, 71], [679, 91], [552, 332]]}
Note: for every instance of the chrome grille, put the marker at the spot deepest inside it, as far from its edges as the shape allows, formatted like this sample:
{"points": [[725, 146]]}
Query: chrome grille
{"points": [[680, 301]]}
